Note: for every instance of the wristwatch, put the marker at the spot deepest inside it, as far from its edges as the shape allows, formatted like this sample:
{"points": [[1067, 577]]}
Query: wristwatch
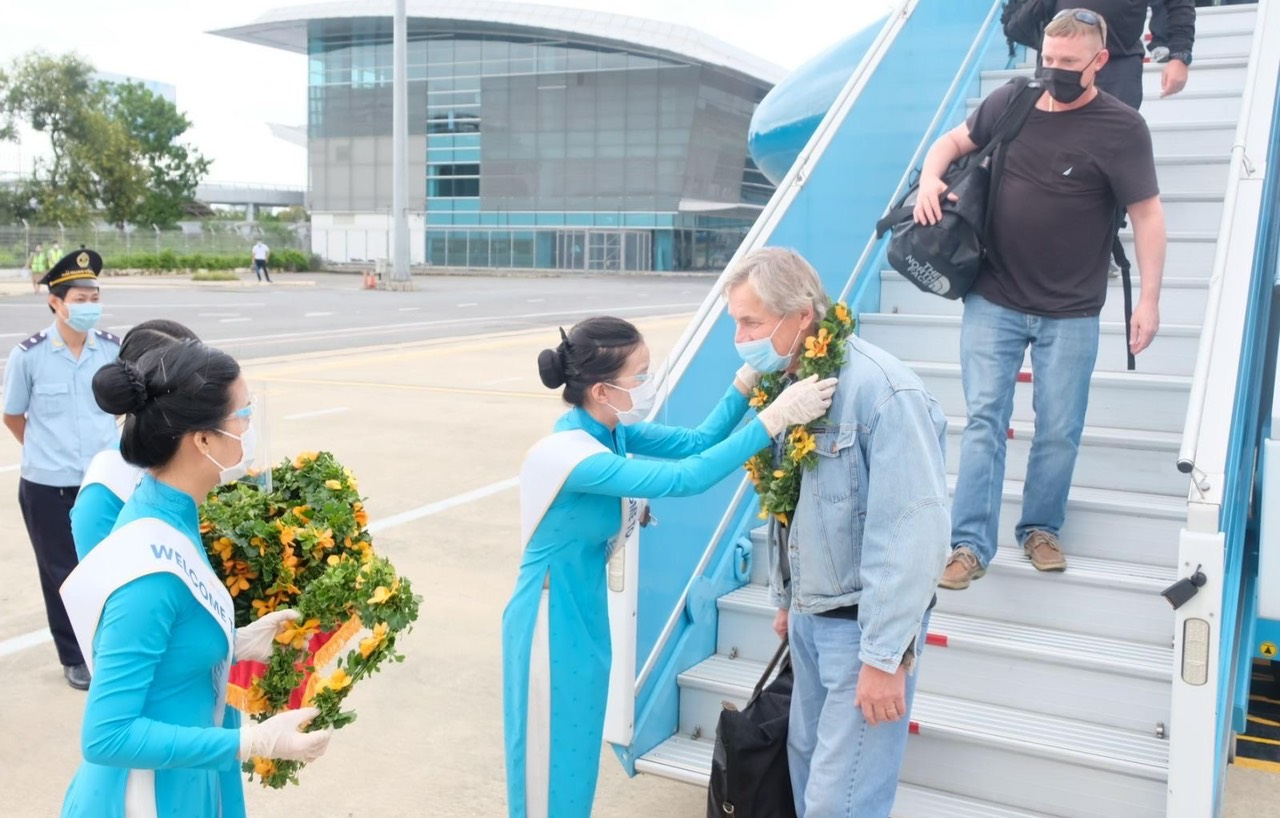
{"points": [[1183, 56]]}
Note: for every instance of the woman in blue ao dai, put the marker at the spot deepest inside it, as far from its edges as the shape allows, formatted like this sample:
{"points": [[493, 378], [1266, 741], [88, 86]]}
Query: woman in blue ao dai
{"points": [[574, 484]]}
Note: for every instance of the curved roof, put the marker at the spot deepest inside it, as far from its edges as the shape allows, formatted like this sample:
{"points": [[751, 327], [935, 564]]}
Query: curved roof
{"points": [[286, 28]]}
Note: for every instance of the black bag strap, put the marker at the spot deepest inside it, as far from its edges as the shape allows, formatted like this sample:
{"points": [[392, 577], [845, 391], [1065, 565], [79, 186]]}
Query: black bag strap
{"points": [[777, 659], [1126, 282], [1007, 129]]}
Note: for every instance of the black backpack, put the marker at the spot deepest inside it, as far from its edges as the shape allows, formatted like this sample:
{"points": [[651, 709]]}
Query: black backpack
{"points": [[1024, 22], [945, 258]]}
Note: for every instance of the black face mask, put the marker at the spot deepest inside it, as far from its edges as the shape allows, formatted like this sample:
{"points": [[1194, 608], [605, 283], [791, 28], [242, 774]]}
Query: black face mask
{"points": [[1063, 85]]}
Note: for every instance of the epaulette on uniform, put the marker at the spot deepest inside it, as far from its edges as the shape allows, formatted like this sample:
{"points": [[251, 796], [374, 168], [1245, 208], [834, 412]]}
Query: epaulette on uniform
{"points": [[33, 340], [107, 336]]}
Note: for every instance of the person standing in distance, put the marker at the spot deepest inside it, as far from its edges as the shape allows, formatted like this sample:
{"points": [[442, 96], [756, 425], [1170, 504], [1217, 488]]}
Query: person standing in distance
{"points": [[261, 252], [49, 408]]}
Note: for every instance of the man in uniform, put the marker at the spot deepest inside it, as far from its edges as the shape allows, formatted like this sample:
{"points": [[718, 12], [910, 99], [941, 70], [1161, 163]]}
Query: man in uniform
{"points": [[50, 409]]}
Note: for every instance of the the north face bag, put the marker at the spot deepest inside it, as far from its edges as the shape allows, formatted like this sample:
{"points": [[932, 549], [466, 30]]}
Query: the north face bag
{"points": [[945, 258]]}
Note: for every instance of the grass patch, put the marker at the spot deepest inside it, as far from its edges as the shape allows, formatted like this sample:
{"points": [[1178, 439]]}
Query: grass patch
{"points": [[215, 275]]}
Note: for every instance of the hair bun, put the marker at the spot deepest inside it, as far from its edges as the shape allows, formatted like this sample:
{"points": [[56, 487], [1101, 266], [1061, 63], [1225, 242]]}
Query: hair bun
{"points": [[120, 388], [551, 368]]}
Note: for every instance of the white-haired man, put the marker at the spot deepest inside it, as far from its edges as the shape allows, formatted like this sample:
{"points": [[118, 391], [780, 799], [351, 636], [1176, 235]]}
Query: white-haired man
{"points": [[853, 573]]}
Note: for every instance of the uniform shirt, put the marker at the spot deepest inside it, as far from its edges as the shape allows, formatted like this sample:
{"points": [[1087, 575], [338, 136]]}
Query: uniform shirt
{"points": [[260, 251], [1053, 223], [65, 427]]}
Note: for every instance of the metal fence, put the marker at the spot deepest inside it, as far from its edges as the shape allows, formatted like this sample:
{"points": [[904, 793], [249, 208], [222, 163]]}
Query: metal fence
{"points": [[209, 238]]}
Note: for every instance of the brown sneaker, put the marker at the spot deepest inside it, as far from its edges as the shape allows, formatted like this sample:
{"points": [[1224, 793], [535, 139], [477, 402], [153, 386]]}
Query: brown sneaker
{"points": [[1044, 551], [962, 568]]}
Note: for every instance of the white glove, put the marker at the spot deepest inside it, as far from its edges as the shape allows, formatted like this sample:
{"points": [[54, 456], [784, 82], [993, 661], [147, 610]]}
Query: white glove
{"points": [[254, 641], [800, 402], [746, 379], [280, 737]]}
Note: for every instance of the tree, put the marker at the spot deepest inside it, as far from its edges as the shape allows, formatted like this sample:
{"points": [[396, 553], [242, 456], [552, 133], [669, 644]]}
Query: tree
{"points": [[115, 146], [171, 169]]}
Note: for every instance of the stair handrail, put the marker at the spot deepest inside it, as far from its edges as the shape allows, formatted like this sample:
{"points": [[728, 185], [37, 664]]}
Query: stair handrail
{"points": [[1202, 453], [761, 231], [707, 314]]}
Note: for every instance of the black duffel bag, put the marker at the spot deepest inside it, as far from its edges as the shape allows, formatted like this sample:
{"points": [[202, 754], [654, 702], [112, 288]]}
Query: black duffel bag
{"points": [[945, 258], [749, 773]]}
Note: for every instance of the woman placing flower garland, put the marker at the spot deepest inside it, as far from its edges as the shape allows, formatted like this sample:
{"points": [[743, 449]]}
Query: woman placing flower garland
{"points": [[555, 630]]}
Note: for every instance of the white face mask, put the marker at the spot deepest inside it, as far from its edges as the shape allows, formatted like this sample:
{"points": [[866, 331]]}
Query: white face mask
{"points": [[248, 445], [643, 398]]}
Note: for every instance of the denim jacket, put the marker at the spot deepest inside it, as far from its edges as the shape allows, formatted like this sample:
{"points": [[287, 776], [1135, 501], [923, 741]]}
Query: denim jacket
{"points": [[872, 527]]}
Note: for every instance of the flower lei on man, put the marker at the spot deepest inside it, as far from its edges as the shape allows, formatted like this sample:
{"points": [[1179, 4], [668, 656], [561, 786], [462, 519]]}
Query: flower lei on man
{"points": [[305, 545], [778, 482]]}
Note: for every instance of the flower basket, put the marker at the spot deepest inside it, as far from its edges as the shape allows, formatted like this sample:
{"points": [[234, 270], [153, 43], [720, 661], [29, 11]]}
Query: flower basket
{"points": [[304, 544]]}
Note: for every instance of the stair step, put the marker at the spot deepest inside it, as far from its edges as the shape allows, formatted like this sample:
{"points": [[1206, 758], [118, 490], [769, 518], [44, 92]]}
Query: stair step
{"points": [[1117, 400], [689, 760], [1109, 459], [937, 338], [1123, 598], [1190, 253], [1206, 137], [965, 746], [1035, 762], [1182, 300], [1203, 175]]}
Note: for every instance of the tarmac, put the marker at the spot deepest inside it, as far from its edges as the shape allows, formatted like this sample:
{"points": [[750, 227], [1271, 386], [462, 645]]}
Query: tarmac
{"points": [[435, 431]]}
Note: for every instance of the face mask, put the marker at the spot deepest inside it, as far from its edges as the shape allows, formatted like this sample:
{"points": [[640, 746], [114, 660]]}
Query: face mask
{"points": [[761, 356], [248, 445], [643, 398], [1063, 85], [83, 317]]}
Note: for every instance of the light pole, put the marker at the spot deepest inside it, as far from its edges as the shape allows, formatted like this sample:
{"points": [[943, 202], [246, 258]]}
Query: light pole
{"points": [[399, 146]]}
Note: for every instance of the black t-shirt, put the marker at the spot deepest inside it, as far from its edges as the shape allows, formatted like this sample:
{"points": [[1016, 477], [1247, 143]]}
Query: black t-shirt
{"points": [[1052, 227]]}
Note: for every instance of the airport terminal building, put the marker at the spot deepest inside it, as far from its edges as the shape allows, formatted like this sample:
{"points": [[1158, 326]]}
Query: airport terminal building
{"points": [[539, 137]]}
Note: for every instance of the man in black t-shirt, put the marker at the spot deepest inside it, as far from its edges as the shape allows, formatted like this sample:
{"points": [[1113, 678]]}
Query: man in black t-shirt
{"points": [[1173, 21], [1081, 154]]}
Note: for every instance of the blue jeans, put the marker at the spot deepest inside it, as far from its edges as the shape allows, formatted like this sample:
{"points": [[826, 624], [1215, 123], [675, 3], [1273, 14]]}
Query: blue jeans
{"points": [[841, 767], [993, 340]]}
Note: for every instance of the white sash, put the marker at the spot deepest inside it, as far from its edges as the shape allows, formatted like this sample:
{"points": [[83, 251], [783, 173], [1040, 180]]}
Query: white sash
{"points": [[545, 468], [109, 468], [147, 546], [143, 547]]}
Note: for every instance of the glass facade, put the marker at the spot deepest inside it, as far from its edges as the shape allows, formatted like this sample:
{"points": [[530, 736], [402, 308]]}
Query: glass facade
{"points": [[537, 152]]}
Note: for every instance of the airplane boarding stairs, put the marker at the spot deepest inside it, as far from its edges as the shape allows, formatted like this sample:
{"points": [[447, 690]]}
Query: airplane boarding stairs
{"points": [[1039, 694]]}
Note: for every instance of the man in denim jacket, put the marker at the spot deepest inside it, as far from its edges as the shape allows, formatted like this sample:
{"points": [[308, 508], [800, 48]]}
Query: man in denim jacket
{"points": [[854, 574]]}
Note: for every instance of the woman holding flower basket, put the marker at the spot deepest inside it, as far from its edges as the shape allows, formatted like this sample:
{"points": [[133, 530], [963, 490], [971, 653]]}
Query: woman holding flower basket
{"points": [[152, 617], [578, 495]]}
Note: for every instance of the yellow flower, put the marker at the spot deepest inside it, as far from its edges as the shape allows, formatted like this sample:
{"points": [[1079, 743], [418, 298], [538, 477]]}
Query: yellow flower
{"points": [[223, 547], [262, 607], [758, 398], [817, 347], [259, 543], [304, 458], [236, 584], [842, 313], [263, 766], [301, 513], [362, 516], [324, 539], [257, 701], [338, 681], [802, 445], [206, 526], [778, 474], [288, 534], [335, 559], [336, 485], [351, 479], [380, 595], [782, 518], [297, 633], [372, 643]]}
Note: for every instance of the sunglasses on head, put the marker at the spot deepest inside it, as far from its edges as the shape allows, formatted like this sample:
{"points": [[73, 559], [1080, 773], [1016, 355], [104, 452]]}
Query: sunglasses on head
{"points": [[1083, 15]]}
